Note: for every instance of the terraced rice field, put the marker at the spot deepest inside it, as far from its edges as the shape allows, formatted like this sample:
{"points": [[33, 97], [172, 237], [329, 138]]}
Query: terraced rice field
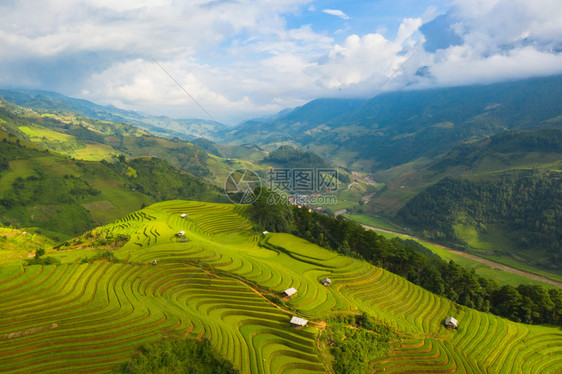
{"points": [[92, 317]]}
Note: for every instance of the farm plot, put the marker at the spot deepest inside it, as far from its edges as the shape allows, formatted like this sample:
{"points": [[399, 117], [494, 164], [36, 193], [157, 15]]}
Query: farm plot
{"points": [[103, 311]]}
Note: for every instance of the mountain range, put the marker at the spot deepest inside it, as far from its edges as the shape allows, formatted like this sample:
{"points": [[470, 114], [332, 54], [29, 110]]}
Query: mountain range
{"points": [[398, 127]]}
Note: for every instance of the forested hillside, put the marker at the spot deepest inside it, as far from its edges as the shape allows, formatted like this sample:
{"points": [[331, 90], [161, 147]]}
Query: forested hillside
{"points": [[510, 149], [291, 157], [525, 204]]}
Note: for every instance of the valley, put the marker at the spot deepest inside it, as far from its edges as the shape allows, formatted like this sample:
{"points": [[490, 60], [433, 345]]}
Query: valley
{"points": [[117, 237], [489, 264]]}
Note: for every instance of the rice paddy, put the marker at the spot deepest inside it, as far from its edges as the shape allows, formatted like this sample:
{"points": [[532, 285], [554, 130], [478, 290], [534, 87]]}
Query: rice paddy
{"points": [[213, 281]]}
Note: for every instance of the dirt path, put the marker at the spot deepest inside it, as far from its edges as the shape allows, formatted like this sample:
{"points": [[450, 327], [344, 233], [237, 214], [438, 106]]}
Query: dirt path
{"points": [[490, 263], [19, 334]]}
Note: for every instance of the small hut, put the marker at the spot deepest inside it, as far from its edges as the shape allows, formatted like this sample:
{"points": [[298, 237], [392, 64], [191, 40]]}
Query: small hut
{"points": [[298, 322], [184, 215], [451, 323], [326, 281], [289, 292], [266, 232], [181, 233]]}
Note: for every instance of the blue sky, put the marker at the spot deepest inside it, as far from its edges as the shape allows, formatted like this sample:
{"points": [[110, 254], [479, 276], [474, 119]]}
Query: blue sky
{"points": [[362, 17], [246, 58]]}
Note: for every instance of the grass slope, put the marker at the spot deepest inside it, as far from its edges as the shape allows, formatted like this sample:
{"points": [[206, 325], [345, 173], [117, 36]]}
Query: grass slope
{"points": [[20, 244], [215, 283]]}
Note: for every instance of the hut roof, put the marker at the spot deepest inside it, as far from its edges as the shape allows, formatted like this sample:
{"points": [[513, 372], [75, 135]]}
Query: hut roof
{"points": [[290, 291], [298, 321], [451, 321]]}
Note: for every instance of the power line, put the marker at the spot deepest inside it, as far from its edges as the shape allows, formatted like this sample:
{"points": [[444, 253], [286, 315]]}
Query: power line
{"points": [[182, 87], [380, 87]]}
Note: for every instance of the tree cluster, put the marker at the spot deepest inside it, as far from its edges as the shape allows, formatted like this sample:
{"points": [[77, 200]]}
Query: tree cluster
{"points": [[292, 157], [354, 339], [178, 355]]}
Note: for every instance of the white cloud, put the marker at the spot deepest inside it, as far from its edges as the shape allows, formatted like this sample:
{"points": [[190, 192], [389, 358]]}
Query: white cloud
{"points": [[242, 58], [141, 84], [361, 64], [505, 22], [502, 39], [461, 65], [336, 12]]}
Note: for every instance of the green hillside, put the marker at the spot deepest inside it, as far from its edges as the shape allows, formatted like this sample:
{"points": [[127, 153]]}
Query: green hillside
{"points": [[291, 157], [21, 243], [65, 197], [477, 160], [475, 219], [220, 281], [94, 140], [85, 138]]}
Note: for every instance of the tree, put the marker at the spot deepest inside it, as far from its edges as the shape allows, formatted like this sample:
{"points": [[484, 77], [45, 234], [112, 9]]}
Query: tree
{"points": [[507, 302], [39, 252], [345, 249]]}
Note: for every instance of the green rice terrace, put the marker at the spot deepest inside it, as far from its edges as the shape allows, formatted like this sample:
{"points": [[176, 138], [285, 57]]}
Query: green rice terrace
{"points": [[221, 280]]}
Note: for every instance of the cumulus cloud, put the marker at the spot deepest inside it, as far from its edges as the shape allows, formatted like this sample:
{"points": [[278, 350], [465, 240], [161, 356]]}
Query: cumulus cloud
{"points": [[146, 85], [501, 39], [336, 12]]}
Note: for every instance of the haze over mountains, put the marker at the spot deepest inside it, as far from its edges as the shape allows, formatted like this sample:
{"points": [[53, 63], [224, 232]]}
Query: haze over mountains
{"points": [[387, 130]]}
